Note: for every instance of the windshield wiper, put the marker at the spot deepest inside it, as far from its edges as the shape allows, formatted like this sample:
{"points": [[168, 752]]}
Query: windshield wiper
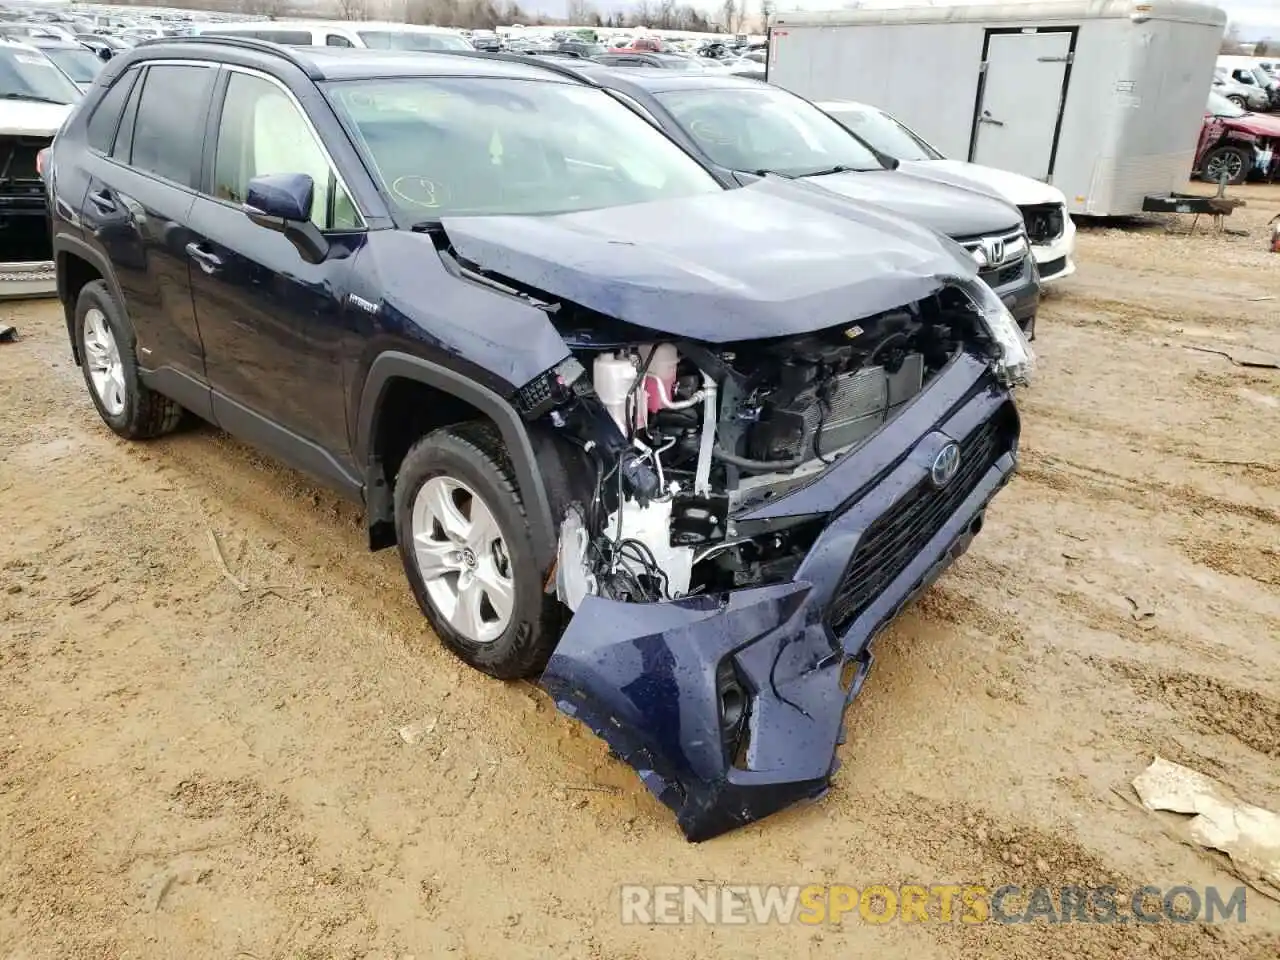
{"points": [[838, 168], [31, 96]]}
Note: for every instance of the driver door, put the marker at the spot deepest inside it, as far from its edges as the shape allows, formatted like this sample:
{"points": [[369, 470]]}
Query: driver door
{"points": [[271, 321]]}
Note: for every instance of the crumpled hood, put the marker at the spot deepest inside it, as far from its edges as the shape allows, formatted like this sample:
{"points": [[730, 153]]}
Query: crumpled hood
{"points": [[955, 211], [30, 118], [1260, 125], [1011, 187], [773, 259]]}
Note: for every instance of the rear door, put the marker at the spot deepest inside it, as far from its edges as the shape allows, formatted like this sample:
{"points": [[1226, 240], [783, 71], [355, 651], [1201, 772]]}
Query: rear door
{"points": [[1020, 105], [140, 193]]}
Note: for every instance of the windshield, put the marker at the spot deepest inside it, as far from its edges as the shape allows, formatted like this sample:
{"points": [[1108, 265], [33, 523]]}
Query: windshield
{"points": [[764, 128], [413, 40], [78, 64], [882, 132], [26, 74], [457, 146], [1220, 106]]}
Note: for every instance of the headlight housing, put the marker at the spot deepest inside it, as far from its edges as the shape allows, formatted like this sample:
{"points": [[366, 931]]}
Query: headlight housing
{"points": [[1016, 361]]}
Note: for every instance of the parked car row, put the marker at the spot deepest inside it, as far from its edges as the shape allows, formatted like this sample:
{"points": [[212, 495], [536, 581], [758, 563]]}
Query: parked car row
{"points": [[35, 99], [1246, 82], [659, 402]]}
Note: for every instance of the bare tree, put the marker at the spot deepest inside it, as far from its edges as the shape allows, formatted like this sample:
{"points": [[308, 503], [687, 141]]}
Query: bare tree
{"points": [[263, 8], [353, 9], [1231, 41], [728, 14], [580, 12], [641, 15], [766, 15]]}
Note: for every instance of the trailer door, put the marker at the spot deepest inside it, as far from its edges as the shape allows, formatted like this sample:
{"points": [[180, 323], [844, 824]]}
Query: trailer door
{"points": [[1020, 100]]}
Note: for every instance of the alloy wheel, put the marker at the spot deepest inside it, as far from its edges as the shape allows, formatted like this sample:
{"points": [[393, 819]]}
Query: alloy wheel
{"points": [[1228, 163], [463, 559], [102, 358]]}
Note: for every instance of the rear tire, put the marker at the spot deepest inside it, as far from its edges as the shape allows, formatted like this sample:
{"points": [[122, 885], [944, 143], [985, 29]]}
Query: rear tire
{"points": [[1239, 102], [465, 545], [1234, 161], [109, 362]]}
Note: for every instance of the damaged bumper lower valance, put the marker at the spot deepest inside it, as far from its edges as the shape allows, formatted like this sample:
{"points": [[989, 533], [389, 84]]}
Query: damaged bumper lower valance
{"points": [[731, 706]]}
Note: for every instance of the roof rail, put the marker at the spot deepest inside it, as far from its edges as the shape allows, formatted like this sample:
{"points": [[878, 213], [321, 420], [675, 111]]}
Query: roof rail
{"points": [[564, 69], [246, 43]]}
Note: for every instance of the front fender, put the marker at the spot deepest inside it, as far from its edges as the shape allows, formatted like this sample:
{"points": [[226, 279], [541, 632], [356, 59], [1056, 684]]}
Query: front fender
{"points": [[396, 364]]}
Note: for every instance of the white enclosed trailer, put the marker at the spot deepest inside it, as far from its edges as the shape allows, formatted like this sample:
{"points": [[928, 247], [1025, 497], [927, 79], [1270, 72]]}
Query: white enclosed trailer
{"points": [[1102, 98]]}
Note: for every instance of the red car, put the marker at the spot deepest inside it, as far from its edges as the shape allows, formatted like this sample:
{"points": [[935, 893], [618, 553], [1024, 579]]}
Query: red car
{"points": [[1237, 144], [648, 44]]}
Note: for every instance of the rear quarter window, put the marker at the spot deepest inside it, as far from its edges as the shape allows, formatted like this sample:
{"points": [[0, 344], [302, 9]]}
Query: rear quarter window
{"points": [[105, 119]]}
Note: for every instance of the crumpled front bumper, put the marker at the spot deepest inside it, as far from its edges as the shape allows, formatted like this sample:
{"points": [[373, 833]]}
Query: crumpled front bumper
{"points": [[649, 678]]}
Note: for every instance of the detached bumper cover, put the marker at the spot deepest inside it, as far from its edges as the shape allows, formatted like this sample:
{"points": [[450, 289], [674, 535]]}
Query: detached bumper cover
{"points": [[647, 677]]}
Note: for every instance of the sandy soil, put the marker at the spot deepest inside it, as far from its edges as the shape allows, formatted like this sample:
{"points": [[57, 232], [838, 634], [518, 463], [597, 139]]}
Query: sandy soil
{"points": [[192, 770]]}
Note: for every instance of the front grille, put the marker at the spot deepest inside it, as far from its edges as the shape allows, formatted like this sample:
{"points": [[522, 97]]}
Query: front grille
{"points": [[1044, 221], [18, 157], [1006, 274], [896, 537], [1010, 250]]}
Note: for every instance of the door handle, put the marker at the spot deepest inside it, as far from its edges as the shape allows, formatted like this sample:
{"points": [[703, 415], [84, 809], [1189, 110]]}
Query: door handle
{"points": [[102, 200], [209, 262], [987, 118]]}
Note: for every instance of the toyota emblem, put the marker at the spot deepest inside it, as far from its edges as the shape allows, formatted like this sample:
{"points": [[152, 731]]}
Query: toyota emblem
{"points": [[945, 465]]}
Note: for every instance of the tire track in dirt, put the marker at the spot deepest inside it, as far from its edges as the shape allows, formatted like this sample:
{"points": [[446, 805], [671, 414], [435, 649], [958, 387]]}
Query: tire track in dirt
{"points": [[1261, 564], [1088, 482], [999, 851], [1246, 715]]}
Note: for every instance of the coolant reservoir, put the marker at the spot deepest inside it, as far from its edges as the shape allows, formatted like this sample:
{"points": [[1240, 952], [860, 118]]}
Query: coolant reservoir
{"points": [[613, 377], [660, 380]]}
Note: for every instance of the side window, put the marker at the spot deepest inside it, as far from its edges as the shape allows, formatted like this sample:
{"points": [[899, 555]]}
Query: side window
{"points": [[333, 40], [262, 131], [173, 100], [121, 149], [106, 115], [288, 38]]}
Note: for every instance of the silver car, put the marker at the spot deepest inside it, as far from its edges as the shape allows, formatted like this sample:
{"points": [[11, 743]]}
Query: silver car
{"points": [[1243, 95]]}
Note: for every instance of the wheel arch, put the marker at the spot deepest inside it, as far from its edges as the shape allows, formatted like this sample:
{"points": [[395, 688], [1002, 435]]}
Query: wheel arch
{"points": [[1238, 142], [388, 372], [76, 265]]}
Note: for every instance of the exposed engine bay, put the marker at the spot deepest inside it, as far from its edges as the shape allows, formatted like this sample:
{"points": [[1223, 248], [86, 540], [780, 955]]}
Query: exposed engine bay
{"points": [[677, 437]]}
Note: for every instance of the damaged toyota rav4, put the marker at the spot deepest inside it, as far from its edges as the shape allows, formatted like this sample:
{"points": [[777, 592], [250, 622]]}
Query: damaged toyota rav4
{"points": [[681, 451]]}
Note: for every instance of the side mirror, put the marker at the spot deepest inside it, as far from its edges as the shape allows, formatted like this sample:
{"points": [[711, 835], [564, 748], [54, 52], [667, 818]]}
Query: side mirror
{"points": [[282, 202], [104, 53]]}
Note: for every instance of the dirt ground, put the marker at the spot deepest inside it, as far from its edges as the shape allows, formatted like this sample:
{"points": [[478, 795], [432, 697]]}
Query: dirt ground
{"points": [[190, 770]]}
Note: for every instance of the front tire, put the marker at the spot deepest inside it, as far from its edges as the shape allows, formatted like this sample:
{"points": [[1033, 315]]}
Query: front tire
{"points": [[464, 542], [1233, 161], [110, 366]]}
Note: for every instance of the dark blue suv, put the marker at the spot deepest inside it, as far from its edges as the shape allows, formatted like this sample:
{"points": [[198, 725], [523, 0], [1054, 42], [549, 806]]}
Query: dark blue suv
{"points": [[681, 450]]}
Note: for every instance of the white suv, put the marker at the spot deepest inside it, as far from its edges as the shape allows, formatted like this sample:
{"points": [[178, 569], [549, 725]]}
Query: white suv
{"points": [[1044, 208], [331, 33]]}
